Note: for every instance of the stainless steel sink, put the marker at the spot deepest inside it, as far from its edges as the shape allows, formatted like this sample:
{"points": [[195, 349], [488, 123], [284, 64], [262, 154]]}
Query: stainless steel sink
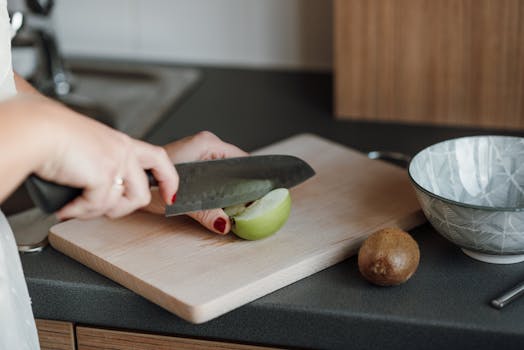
{"points": [[131, 97]]}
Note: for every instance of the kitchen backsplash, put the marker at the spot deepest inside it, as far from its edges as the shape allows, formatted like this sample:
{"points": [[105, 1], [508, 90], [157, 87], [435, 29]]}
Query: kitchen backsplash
{"points": [[294, 34]]}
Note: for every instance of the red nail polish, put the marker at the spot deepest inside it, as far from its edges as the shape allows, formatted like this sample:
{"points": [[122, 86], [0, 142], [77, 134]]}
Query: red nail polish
{"points": [[220, 225], [173, 199]]}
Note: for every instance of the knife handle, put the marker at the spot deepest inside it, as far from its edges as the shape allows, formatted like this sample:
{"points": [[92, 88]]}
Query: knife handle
{"points": [[50, 197]]}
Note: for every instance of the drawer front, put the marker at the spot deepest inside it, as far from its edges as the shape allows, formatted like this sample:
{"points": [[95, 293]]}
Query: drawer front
{"points": [[89, 338], [55, 335]]}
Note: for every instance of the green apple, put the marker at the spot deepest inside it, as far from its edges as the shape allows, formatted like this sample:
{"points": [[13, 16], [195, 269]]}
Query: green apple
{"points": [[261, 218]]}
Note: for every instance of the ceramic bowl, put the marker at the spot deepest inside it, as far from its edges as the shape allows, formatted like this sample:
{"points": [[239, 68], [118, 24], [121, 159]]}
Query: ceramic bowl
{"points": [[471, 190]]}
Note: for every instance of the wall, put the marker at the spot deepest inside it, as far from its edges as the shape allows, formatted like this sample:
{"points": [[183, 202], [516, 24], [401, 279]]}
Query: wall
{"points": [[294, 34]]}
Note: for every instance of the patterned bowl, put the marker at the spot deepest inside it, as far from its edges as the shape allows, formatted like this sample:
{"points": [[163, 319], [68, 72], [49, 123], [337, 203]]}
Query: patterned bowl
{"points": [[471, 190]]}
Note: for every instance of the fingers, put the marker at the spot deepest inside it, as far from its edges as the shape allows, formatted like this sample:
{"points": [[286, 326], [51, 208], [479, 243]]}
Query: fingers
{"points": [[94, 202], [136, 193], [156, 159], [202, 146], [114, 200], [156, 205], [214, 220]]}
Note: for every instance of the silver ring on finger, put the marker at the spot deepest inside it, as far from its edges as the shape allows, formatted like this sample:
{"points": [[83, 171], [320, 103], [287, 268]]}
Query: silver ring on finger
{"points": [[118, 183]]}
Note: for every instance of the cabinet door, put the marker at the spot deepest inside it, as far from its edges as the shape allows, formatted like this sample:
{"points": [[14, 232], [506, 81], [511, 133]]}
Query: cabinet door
{"points": [[102, 339], [55, 335], [457, 62]]}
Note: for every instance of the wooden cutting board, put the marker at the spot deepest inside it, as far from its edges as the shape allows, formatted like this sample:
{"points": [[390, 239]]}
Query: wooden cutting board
{"points": [[199, 275]]}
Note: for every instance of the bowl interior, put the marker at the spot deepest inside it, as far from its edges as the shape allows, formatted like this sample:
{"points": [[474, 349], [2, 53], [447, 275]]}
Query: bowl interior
{"points": [[485, 171]]}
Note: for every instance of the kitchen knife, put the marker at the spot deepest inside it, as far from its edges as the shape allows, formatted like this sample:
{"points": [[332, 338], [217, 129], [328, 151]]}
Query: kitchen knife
{"points": [[203, 184]]}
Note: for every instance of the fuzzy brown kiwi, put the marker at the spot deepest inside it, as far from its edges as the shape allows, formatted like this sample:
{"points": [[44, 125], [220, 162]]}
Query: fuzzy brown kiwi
{"points": [[388, 257]]}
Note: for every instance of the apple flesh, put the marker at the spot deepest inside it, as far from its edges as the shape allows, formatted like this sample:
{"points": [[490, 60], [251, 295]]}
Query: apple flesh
{"points": [[261, 218]]}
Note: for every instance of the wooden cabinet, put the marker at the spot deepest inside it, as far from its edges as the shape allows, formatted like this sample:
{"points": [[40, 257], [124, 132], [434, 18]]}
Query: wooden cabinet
{"points": [[57, 335], [102, 339], [455, 62]]}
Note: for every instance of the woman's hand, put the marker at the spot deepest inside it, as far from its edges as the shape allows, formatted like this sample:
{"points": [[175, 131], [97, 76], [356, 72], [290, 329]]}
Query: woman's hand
{"points": [[65, 147], [202, 146]]}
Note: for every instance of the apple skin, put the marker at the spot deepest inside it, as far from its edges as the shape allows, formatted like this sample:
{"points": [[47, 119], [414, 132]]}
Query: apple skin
{"points": [[263, 225]]}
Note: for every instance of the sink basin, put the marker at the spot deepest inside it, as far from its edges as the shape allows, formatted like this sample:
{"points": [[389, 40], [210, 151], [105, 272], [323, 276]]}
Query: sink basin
{"points": [[130, 97]]}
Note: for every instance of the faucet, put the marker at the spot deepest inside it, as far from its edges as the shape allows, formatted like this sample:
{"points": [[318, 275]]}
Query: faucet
{"points": [[34, 27]]}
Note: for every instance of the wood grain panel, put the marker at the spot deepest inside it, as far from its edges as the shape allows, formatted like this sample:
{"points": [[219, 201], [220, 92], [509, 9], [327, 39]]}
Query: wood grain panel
{"points": [[55, 335], [455, 62], [101, 339]]}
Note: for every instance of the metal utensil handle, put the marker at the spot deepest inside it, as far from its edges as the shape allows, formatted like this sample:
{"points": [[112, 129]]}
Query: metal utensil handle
{"points": [[50, 197], [508, 296], [394, 157]]}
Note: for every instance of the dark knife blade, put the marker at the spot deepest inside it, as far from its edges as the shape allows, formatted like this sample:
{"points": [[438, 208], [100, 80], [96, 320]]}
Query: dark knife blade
{"points": [[221, 183], [203, 184]]}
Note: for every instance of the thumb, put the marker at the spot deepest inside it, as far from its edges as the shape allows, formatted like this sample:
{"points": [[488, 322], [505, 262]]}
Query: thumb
{"points": [[215, 220]]}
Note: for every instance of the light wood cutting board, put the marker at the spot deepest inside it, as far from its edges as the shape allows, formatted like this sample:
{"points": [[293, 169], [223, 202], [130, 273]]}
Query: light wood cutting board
{"points": [[198, 275]]}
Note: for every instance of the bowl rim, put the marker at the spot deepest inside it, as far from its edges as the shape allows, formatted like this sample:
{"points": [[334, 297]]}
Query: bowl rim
{"points": [[454, 202]]}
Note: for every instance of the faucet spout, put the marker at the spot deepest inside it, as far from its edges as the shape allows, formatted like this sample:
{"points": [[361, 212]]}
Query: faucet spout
{"points": [[52, 76]]}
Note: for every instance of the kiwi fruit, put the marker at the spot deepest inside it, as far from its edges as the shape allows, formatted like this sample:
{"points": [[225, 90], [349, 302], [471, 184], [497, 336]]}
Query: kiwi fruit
{"points": [[388, 257]]}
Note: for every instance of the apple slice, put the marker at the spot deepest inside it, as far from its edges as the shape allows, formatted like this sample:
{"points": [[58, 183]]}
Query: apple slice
{"points": [[261, 218]]}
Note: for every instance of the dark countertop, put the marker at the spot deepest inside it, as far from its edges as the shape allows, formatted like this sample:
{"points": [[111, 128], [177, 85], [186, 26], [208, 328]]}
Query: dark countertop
{"points": [[444, 306]]}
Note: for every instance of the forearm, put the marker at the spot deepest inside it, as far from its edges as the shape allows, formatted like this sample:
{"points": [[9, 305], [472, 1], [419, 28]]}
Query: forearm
{"points": [[23, 131], [22, 141]]}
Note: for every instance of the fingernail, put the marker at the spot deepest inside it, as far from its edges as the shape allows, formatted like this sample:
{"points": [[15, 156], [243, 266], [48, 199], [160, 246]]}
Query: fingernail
{"points": [[220, 225], [173, 199]]}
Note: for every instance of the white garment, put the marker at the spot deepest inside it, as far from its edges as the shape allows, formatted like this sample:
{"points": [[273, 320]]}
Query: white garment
{"points": [[17, 325], [7, 84]]}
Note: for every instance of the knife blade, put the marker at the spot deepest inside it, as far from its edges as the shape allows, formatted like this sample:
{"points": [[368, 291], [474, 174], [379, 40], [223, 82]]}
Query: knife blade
{"points": [[203, 184]]}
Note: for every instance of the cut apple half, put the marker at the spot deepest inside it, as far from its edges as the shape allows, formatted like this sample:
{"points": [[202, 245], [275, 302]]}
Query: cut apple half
{"points": [[261, 218]]}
